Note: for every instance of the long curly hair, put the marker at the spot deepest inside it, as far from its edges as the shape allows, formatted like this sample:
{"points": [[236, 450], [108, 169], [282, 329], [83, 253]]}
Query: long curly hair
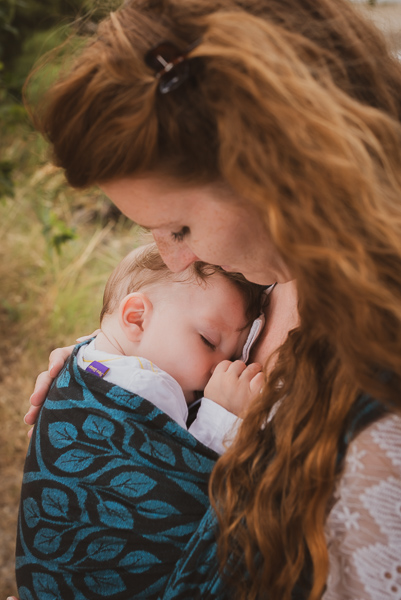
{"points": [[295, 105]]}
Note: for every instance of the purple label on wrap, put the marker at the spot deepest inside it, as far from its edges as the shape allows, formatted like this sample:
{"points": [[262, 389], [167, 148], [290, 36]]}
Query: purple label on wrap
{"points": [[97, 369]]}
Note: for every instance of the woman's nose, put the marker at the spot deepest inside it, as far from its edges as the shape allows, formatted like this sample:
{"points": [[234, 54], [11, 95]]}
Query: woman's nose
{"points": [[177, 256]]}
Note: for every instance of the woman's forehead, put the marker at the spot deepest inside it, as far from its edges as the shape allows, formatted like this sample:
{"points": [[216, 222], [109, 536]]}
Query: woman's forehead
{"points": [[161, 198]]}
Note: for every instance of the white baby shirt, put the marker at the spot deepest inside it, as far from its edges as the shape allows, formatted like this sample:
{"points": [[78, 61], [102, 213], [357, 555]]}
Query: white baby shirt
{"points": [[214, 426]]}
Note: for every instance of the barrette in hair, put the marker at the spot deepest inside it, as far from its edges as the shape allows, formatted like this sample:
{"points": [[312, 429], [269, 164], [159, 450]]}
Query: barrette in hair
{"points": [[170, 64]]}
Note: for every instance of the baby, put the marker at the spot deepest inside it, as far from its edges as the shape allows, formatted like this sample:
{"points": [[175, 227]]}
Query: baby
{"points": [[164, 336], [114, 483]]}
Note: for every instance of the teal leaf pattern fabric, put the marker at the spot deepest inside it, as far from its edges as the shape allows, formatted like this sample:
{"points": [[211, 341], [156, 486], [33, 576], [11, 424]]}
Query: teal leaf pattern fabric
{"points": [[113, 491], [55, 502], [114, 500]]}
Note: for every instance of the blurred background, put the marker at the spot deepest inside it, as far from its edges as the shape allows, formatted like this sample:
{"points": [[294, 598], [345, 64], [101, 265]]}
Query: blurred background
{"points": [[57, 246]]}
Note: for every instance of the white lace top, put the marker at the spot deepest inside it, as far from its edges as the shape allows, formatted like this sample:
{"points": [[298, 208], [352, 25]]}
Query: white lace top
{"points": [[364, 527]]}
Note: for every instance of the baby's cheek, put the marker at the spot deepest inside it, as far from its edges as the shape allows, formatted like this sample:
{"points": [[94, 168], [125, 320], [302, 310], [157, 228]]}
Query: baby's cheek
{"points": [[186, 370], [201, 370]]}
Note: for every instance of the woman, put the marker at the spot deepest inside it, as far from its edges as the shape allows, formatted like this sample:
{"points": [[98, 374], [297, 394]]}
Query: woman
{"points": [[264, 136]]}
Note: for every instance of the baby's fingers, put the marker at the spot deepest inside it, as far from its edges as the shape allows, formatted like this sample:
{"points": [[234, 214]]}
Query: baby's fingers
{"points": [[222, 367], [237, 368], [257, 383], [250, 371]]}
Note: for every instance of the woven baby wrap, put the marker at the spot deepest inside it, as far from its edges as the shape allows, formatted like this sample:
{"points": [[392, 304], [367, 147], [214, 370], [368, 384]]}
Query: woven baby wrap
{"points": [[113, 490]]}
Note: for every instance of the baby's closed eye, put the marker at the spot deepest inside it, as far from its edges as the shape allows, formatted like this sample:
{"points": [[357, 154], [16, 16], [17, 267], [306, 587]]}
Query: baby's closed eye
{"points": [[207, 342]]}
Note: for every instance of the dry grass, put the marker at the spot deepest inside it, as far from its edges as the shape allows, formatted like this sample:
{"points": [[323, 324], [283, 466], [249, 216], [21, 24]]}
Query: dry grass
{"points": [[48, 300]]}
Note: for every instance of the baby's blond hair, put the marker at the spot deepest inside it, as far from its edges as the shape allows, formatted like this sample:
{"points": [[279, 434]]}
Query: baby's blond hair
{"points": [[143, 268]]}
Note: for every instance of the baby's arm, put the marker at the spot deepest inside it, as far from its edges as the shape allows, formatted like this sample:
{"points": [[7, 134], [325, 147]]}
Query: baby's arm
{"points": [[227, 395], [233, 385]]}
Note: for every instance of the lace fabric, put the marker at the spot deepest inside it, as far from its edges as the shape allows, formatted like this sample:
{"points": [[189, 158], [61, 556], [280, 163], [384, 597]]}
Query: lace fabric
{"points": [[363, 529]]}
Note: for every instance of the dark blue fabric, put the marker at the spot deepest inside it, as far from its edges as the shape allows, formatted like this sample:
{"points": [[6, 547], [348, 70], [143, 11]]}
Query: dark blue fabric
{"points": [[113, 491], [197, 574]]}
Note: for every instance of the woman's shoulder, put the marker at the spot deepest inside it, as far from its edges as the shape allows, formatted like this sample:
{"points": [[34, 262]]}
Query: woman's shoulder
{"points": [[364, 526], [377, 446], [373, 460]]}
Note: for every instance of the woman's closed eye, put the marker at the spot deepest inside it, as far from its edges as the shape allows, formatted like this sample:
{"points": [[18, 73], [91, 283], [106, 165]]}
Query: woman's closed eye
{"points": [[208, 343], [178, 236]]}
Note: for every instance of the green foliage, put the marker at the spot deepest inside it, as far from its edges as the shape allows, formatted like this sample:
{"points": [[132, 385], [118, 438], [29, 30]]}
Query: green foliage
{"points": [[29, 31], [19, 19], [25, 36], [12, 311], [6, 182], [58, 246], [56, 231], [12, 113], [32, 48], [8, 10]]}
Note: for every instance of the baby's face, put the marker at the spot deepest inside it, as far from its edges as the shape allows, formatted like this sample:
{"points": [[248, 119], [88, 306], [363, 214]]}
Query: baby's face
{"points": [[192, 328]]}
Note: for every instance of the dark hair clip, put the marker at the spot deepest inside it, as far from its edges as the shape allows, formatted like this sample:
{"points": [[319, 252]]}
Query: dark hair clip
{"points": [[170, 64]]}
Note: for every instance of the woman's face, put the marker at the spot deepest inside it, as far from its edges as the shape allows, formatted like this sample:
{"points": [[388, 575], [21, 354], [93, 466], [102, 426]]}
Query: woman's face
{"points": [[200, 223]]}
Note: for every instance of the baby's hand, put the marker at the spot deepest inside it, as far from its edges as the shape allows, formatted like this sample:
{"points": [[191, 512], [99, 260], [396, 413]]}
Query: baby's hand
{"points": [[233, 385]]}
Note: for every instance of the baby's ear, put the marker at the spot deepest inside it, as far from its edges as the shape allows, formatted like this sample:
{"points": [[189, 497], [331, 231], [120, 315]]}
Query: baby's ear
{"points": [[134, 313]]}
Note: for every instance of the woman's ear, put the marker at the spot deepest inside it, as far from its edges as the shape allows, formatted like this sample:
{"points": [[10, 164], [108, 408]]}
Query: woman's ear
{"points": [[134, 314]]}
